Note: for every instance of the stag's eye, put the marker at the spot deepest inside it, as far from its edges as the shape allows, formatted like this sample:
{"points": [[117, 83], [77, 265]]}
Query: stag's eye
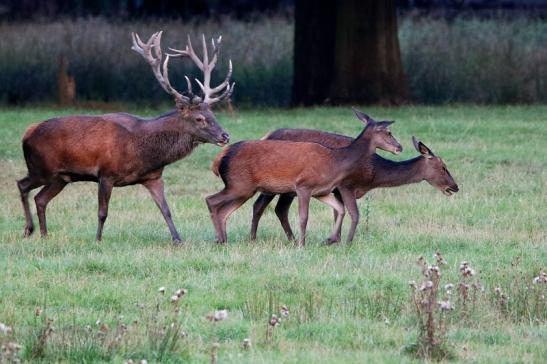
{"points": [[200, 119]]}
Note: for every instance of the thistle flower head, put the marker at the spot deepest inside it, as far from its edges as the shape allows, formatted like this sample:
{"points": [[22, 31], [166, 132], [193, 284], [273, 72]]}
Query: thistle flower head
{"points": [[541, 278], [246, 343], [274, 320], [5, 329], [181, 292], [220, 315], [466, 270], [445, 305], [284, 311]]}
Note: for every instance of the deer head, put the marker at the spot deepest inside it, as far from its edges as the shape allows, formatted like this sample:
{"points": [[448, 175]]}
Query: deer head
{"points": [[381, 137], [194, 111], [436, 172]]}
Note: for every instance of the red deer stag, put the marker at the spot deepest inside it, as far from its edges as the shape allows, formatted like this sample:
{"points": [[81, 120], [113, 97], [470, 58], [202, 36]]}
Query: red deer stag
{"points": [[119, 149], [376, 172], [301, 168]]}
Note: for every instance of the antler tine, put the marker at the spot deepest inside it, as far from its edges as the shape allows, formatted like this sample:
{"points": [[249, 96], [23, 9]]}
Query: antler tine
{"points": [[226, 80], [189, 84], [145, 50], [225, 95], [205, 53]]}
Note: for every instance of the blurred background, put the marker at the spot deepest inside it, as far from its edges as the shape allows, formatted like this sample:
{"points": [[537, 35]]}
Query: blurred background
{"points": [[285, 52]]}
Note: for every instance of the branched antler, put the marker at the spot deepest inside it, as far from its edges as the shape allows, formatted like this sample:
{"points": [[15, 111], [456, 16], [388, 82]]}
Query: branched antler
{"points": [[151, 52], [225, 88]]}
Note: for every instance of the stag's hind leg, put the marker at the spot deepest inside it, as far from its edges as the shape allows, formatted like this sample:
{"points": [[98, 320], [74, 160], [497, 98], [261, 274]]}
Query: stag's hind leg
{"points": [[25, 185], [43, 197]]}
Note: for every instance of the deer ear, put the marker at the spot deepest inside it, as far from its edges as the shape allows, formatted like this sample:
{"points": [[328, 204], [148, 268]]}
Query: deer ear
{"points": [[362, 116], [384, 124], [422, 148]]}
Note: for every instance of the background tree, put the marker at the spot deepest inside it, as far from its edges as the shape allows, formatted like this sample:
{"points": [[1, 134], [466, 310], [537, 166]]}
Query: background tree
{"points": [[347, 52]]}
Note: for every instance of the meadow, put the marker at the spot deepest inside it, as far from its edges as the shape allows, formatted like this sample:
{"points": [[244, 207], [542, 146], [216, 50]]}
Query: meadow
{"points": [[68, 298]]}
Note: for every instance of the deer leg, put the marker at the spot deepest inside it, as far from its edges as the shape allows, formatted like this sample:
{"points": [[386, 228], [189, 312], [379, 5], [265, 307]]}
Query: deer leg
{"points": [[43, 197], [282, 211], [303, 211], [105, 189], [348, 197], [155, 187], [336, 193], [337, 206], [214, 203], [259, 207], [227, 210], [25, 185]]}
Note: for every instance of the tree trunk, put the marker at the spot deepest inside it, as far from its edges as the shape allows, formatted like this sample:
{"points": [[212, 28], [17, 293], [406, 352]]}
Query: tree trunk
{"points": [[362, 64], [313, 51]]}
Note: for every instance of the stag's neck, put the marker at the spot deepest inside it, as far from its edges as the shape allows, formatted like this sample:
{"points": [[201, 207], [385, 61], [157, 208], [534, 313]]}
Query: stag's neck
{"points": [[164, 140], [389, 173]]}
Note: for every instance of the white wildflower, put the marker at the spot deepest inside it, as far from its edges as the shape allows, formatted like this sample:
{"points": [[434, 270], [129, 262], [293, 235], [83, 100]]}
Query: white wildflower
{"points": [[246, 343], [220, 315], [5, 329], [445, 305]]}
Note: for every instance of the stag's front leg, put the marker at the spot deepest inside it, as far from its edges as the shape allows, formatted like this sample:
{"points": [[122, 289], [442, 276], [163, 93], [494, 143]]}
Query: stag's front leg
{"points": [[156, 189]]}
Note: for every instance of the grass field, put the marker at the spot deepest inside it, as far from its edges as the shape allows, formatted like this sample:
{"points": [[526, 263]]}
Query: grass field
{"points": [[347, 303]]}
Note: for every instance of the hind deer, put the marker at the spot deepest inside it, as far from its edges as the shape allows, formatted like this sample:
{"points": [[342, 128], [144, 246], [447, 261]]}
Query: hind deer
{"points": [[120, 149], [301, 168], [374, 173]]}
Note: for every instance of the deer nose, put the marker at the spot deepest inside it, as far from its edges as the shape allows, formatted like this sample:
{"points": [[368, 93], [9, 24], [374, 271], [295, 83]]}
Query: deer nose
{"points": [[226, 137]]}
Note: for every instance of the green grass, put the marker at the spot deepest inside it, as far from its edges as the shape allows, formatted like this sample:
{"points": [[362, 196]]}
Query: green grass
{"points": [[347, 303]]}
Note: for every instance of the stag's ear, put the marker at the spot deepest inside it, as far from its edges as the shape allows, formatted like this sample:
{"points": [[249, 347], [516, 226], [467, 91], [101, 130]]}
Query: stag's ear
{"points": [[362, 116], [422, 148]]}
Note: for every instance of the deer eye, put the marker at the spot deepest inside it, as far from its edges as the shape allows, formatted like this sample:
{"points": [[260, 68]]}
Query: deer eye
{"points": [[200, 119]]}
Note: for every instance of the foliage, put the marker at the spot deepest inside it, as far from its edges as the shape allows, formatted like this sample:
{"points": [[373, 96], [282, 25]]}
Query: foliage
{"points": [[498, 60]]}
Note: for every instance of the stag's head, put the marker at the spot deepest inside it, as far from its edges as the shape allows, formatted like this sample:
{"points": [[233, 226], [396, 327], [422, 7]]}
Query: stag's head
{"points": [[436, 172], [379, 133], [194, 110]]}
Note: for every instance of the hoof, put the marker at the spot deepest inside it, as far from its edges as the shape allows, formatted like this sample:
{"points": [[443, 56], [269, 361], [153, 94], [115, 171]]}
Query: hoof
{"points": [[28, 231], [331, 241], [178, 242]]}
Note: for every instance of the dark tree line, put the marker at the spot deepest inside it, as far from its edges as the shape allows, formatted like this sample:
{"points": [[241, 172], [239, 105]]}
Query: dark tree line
{"points": [[131, 9]]}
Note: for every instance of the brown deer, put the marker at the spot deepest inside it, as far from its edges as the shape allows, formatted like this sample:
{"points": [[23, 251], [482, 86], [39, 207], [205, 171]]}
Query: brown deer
{"points": [[301, 168], [376, 172], [119, 149]]}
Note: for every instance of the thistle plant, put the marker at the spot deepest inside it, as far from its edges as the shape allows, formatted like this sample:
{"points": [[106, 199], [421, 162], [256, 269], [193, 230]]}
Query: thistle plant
{"points": [[431, 305]]}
